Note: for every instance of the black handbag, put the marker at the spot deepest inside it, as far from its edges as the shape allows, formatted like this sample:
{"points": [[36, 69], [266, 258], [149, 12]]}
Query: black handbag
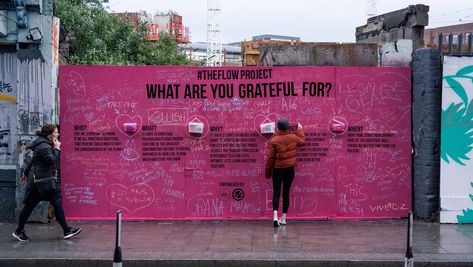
{"points": [[46, 186]]}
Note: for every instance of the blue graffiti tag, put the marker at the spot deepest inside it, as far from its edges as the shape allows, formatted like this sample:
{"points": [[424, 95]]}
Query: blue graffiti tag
{"points": [[5, 87]]}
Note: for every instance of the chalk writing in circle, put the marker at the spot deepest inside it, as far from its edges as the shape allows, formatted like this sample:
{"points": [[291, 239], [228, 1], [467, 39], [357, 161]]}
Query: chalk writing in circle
{"points": [[224, 194], [238, 194]]}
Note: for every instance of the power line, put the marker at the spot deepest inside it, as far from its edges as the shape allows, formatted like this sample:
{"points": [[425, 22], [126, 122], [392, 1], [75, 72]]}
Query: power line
{"points": [[451, 20], [436, 24], [451, 12]]}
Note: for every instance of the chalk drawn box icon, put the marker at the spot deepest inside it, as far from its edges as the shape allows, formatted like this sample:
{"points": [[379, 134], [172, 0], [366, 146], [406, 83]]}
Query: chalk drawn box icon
{"points": [[196, 126], [268, 127], [130, 127]]}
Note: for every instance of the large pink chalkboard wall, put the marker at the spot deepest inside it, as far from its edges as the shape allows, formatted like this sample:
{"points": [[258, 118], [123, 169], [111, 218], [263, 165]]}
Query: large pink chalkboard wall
{"points": [[126, 143]]}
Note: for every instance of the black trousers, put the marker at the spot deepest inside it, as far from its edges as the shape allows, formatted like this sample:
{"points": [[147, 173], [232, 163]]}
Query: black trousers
{"points": [[33, 198], [282, 177]]}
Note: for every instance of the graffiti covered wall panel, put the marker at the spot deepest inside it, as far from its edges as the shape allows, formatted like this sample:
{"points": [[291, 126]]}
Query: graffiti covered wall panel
{"points": [[375, 164], [186, 142], [35, 106], [456, 182], [8, 99]]}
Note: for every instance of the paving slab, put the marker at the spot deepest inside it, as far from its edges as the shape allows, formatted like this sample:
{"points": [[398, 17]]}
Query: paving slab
{"points": [[241, 243]]}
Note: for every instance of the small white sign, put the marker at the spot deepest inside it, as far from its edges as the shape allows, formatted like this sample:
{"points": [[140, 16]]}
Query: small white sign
{"points": [[196, 127], [268, 127]]}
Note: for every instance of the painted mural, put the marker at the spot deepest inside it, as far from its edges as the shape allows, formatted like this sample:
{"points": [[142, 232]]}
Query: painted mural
{"points": [[186, 142], [456, 181]]}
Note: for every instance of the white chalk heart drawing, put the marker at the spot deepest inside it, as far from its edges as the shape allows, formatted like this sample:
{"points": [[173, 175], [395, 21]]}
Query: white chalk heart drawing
{"points": [[76, 83], [124, 118], [261, 118], [130, 198]]}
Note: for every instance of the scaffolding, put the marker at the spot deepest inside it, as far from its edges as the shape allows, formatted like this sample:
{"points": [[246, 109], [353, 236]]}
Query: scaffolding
{"points": [[214, 31]]}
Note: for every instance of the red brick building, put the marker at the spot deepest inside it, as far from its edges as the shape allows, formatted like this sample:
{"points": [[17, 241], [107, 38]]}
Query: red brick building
{"points": [[431, 35], [168, 23]]}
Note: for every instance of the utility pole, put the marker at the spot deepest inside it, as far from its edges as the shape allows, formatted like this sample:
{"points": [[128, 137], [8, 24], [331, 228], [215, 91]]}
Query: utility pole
{"points": [[214, 32]]}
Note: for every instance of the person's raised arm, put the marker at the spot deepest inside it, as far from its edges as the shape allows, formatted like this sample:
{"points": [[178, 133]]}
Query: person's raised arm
{"points": [[300, 133]]}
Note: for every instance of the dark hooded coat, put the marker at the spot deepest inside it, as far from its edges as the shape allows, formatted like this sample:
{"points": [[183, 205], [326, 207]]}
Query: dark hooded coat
{"points": [[45, 162]]}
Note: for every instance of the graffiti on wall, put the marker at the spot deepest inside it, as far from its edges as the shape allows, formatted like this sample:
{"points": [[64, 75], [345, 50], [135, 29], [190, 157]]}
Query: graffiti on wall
{"points": [[32, 118], [4, 89], [34, 96], [7, 108], [6, 135], [5, 145], [457, 141], [127, 143], [7, 78]]}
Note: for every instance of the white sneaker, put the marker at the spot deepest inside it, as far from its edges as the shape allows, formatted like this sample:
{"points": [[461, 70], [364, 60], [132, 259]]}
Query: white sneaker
{"points": [[281, 222], [276, 223]]}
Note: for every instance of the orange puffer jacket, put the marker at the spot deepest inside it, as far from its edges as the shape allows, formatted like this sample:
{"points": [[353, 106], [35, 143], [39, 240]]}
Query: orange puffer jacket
{"points": [[283, 150]]}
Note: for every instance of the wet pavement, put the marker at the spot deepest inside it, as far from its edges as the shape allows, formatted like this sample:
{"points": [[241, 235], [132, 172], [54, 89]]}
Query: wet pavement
{"points": [[241, 243]]}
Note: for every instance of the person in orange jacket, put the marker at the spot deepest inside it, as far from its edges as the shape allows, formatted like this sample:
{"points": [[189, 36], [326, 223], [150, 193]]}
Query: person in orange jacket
{"points": [[280, 165]]}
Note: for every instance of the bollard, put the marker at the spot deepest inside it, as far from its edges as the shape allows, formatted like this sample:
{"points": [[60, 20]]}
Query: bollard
{"points": [[409, 261], [117, 255]]}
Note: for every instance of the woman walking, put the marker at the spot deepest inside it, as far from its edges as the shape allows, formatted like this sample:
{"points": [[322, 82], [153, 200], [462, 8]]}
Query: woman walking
{"points": [[45, 165]]}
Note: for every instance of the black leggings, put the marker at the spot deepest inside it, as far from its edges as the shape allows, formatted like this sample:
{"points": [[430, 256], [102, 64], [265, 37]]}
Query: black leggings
{"points": [[33, 199], [284, 177]]}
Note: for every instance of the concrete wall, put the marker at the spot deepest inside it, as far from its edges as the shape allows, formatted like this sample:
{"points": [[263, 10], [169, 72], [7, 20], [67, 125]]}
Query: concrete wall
{"points": [[407, 23], [398, 34], [319, 54], [250, 50], [361, 55], [396, 53], [426, 107], [301, 55]]}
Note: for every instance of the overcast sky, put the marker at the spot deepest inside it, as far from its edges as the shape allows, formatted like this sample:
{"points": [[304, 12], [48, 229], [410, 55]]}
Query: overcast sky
{"points": [[311, 20]]}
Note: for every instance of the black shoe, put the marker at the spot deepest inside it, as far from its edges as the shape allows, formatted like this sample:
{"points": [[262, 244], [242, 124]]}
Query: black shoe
{"points": [[21, 236], [72, 232], [276, 223]]}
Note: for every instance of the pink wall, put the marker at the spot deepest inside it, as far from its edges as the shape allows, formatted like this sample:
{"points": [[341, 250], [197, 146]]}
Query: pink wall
{"points": [[163, 172]]}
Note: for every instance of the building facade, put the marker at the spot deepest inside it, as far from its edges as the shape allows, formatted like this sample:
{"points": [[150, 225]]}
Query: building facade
{"points": [[29, 40], [169, 23], [197, 53], [431, 35]]}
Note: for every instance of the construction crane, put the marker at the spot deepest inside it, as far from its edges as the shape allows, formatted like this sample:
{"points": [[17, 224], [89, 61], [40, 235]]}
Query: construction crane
{"points": [[214, 32], [371, 8]]}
